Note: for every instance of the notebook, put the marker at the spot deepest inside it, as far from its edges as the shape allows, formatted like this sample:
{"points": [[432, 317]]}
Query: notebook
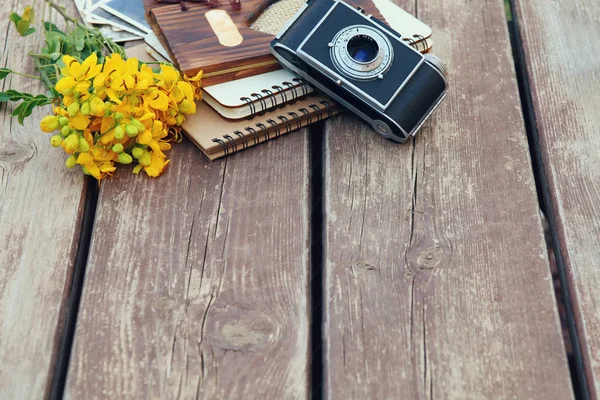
{"points": [[194, 46], [217, 137], [245, 98]]}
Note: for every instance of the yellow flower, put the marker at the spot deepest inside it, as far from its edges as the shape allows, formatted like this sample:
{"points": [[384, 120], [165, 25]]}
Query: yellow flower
{"points": [[157, 166], [87, 160], [76, 76], [167, 76], [158, 100], [196, 82], [80, 122]]}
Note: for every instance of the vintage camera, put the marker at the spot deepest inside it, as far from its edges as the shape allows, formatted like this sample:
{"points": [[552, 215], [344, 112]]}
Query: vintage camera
{"points": [[364, 65]]}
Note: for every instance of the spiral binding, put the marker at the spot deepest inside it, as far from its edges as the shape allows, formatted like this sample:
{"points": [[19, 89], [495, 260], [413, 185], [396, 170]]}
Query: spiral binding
{"points": [[417, 42], [274, 127], [266, 100]]}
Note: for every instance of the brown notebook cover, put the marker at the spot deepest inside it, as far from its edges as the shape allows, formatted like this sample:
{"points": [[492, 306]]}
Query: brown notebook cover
{"points": [[218, 137], [193, 45]]}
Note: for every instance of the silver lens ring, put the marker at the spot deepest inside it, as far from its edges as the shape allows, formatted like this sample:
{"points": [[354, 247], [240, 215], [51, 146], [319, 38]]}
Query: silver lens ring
{"points": [[350, 58]]}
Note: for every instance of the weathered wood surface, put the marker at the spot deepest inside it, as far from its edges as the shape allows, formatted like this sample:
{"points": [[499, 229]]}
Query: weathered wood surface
{"points": [[41, 205], [562, 51], [197, 282], [436, 274]]}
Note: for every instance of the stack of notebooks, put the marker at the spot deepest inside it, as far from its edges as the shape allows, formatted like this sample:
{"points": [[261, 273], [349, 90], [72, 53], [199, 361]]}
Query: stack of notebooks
{"points": [[250, 108]]}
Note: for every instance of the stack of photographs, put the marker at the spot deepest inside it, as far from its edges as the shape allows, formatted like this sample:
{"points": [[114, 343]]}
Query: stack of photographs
{"points": [[120, 20]]}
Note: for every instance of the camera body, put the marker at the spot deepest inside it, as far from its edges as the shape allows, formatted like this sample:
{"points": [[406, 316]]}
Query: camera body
{"points": [[364, 65]]}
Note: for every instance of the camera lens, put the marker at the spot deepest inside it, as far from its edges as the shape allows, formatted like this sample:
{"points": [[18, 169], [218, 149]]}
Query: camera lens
{"points": [[361, 52], [363, 48]]}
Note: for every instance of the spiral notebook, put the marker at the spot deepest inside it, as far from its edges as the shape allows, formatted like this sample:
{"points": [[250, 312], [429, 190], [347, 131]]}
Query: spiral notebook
{"points": [[218, 137], [250, 96]]}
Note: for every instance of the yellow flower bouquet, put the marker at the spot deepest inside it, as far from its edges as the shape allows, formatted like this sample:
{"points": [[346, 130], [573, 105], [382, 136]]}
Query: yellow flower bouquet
{"points": [[107, 109]]}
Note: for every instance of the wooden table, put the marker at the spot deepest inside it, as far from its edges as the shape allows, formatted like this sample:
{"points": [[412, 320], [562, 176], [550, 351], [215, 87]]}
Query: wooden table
{"points": [[330, 262]]}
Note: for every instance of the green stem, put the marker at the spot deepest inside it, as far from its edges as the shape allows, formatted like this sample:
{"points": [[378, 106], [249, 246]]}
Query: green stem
{"points": [[107, 42], [63, 12], [45, 78], [26, 75]]}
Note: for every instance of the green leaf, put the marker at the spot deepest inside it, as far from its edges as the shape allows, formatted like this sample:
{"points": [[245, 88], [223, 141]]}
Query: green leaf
{"points": [[79, 44], [79, 33], [12, 95], [14, 17], [29, 31], [22, 27], [4, 72], [18, 110], [25, 109], [55, 56], [4, 97], [50, 27]]}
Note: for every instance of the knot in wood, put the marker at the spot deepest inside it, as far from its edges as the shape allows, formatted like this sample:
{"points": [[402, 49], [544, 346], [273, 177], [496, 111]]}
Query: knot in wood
{"points": [[239, 329], [164, 303], [364, 266], [430, 258]]}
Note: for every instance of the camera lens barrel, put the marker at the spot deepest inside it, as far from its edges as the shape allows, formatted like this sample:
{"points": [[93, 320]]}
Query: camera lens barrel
{"points": [[361, 52]]}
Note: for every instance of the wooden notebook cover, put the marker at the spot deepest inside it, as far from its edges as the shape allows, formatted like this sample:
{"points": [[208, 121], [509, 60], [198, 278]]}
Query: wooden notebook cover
{"points": [[193, 45]]}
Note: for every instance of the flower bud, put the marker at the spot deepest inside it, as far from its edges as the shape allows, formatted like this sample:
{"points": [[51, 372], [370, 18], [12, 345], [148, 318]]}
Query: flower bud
{"points": [[125, 158], [131, 130], [73, 109], [140, 127], [85, 109], [118, 116], [119, 132], [71, 162], [137, 152], [56, 140], [145, 159], [97, 107], [63, 121], [118, 148], [65, 131], [83, 145], [71, 143], [85, 170], [49, 123]]}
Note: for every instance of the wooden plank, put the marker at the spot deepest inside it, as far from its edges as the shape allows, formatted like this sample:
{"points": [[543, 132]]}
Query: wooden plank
{"points": [[436, 274], [561, 53], [197, 281], [41, 205]]}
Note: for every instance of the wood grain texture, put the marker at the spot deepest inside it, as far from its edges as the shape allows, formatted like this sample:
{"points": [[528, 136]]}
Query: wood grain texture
{"points": [[41, 204], [197, 281], [561, 53], [436, 274]]}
